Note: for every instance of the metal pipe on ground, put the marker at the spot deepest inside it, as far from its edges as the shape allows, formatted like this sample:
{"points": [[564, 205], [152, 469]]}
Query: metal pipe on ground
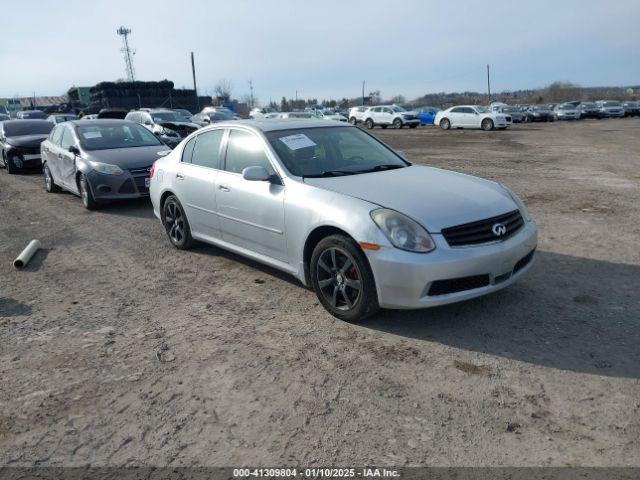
{"points": [[26, 254]]}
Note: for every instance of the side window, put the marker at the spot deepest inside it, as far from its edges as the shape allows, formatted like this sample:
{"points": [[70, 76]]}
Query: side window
{"points": [[67, 138], [206, 151], [56, 135], [187, 151], [456, 110], [387, 110], [244, 150]]}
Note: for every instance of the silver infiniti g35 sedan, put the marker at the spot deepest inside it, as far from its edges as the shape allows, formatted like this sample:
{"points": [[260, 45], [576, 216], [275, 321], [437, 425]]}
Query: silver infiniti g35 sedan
{"points": [[344, 213]]}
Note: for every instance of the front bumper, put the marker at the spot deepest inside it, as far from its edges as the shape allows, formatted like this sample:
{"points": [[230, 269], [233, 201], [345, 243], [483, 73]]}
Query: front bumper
{"points": [[404, 279], [117, 187], [25, 158]]}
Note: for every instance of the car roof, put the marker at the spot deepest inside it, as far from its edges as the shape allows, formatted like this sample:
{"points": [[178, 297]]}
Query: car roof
{"points": [[271, 125], [103, 122], [27, 121]]}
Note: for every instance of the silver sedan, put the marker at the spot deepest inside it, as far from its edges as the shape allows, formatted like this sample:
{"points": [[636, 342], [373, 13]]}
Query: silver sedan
{"points": [[344, 213]]}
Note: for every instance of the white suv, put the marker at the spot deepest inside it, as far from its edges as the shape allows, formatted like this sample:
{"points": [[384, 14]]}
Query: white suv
{"points": [[385, 115]]}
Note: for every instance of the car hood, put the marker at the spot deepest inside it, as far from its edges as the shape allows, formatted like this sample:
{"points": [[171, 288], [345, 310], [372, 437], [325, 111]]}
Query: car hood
{"points": [[133, 157], [27, 141], [175, 124], [433, 197]]}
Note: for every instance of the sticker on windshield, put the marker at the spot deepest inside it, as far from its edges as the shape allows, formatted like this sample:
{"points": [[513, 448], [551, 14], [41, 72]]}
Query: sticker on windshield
{"points": [[296, 142], [89, 135]]}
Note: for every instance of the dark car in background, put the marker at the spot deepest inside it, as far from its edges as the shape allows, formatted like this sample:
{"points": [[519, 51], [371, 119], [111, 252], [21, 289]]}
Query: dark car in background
{"points": [[61, 117], [116, 113], [20, 143], [631, 109], [212, 116], [31, 115], [4, 116], [539, 113], [184, 114], [101, 160], [166, 124], [589, 110], [517, 116]]}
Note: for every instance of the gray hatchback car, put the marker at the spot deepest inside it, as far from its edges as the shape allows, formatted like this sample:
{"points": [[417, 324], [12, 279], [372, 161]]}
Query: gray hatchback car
{"points": [[100, 161]]}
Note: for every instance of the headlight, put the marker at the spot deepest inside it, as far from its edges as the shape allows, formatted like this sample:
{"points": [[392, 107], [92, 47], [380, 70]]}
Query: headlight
{"points": [[402, 232], [106, 168], [518, 202]]}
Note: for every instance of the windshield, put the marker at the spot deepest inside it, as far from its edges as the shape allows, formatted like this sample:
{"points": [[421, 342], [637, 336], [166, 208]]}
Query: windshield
{"points": [[331, 151], [23, 127], [221, 115], [166, 117], [105, 137], [481, 110], [566, 107], [541, 108], [509, 109], [587, 105], [612, 104], [396, 108]]}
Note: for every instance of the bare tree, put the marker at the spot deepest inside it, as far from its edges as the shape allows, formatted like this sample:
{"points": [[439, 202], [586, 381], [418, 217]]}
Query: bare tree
{"points": [[222, 89]]}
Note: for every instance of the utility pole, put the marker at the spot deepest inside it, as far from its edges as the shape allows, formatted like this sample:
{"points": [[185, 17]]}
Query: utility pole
{"points": [[124, 32], [195, 88], [251, 96], [363, 93], [489, 83]]}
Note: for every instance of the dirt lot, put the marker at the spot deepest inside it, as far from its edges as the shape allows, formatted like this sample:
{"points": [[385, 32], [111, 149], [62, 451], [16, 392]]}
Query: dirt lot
{"points": [[116, 349]]}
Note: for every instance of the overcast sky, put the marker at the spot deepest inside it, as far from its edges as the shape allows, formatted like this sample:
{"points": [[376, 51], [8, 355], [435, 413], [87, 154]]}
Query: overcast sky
{"points": [[322, 48]]}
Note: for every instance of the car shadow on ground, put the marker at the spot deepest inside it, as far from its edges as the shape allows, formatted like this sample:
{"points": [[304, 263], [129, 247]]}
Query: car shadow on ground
{"points": [[212, 250], [568, 313], [139, 208]]}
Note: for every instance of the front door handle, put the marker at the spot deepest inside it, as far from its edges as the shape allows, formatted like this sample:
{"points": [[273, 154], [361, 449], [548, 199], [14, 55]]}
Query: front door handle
{"points": [[224, 188], [179, 176]]}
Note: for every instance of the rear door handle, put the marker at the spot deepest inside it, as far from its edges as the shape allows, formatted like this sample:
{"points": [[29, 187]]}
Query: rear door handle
{"points": [[224, 188], [179, 176]]}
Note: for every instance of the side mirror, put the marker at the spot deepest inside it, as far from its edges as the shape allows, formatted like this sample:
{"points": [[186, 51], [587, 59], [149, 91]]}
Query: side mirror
{"points": [[206, 120], [148, 122], [256, 174], [75, 150]]}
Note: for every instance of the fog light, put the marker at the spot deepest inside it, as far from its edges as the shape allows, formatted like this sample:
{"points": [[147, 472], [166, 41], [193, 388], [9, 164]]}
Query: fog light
{"points": [[104, 189]]}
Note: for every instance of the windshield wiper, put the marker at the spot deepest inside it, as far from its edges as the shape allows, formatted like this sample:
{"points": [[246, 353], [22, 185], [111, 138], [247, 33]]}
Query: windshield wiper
{"points": [[379, 168], [330, 173]]}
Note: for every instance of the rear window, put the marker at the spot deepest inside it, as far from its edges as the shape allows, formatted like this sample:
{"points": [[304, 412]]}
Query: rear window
{"points": [[23, 127]]}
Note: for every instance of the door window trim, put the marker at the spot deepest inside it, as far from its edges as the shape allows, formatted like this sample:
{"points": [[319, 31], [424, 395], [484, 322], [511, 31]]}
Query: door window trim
{"points": [[220, 151]]}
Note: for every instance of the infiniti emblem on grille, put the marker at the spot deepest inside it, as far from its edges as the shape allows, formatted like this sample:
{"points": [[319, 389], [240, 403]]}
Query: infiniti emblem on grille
{"points": [[499, 229]]}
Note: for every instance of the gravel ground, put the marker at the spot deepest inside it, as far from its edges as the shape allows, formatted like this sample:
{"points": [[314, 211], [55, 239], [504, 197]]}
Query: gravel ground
{"points": [[116, 349]]}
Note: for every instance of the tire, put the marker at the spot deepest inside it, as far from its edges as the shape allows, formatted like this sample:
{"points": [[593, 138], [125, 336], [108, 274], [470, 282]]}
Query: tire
{"points": [[369, 123], [487, 124], [49, 184], [397, 123], [88, 200], [342, 279], [12, 169], [176, 224], [353, 120], [445, 124]]}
